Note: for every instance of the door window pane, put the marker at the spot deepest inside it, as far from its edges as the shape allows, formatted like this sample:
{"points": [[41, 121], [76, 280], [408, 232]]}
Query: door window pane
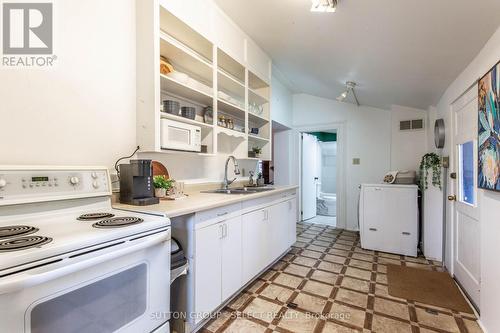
{"points": [[467, 194]]}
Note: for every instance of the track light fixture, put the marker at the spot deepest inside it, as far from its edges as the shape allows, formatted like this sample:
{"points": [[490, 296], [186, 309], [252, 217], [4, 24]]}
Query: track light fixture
{"points": [[324, 6], [349, 89]]}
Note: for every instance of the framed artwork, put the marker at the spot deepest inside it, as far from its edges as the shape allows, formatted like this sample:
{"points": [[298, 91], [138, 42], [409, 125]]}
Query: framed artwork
{"points": [[489, 130]]}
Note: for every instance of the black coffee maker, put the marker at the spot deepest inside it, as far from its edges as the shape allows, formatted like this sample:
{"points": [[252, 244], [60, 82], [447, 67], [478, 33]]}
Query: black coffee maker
{"points": [[136, 183]]}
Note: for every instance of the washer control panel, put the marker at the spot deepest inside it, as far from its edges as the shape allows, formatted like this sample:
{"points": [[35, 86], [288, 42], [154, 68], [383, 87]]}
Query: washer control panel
{"points": [[39, 184]]}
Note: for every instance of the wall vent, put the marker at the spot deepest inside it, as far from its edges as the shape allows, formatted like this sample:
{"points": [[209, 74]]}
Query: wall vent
{"points": [[411, 125]]}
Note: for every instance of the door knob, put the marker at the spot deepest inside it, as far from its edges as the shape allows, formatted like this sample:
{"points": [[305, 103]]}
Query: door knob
{"points": [[452, 198]]}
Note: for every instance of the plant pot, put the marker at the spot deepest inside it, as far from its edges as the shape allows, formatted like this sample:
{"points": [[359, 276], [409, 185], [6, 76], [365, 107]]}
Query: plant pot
{"points": [[160, 192]]}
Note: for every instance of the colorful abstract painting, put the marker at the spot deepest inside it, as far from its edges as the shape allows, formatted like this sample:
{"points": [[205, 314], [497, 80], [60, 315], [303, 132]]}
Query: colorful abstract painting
{"points": [[489, 130]]}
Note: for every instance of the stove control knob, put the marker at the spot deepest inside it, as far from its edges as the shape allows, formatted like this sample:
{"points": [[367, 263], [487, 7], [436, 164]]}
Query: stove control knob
{"points": [[3, 182], [74, 180], [95, 184]]}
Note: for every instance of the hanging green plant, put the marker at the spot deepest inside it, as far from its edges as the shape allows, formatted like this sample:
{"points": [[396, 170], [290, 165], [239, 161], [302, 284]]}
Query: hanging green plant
{"points": [[430, 161]]}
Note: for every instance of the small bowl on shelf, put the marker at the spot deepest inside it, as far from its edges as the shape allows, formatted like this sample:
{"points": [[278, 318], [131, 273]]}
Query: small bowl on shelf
{"points": [[188, 112], [171, 107]]}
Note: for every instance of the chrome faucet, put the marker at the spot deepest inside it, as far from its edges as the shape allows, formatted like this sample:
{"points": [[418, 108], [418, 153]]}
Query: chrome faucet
{"points": [[228, 182]]}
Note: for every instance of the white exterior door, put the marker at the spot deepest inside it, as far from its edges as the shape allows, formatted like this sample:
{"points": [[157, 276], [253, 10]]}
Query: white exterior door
{"points": [[309, 175], [463, 194]]}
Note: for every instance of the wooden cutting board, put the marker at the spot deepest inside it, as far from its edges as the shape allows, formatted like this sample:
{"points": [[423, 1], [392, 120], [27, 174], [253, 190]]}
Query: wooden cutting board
{"points": [[160, 170]]}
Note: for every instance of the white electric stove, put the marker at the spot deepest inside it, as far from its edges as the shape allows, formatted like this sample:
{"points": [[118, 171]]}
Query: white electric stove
{"points": [[69, 262]]}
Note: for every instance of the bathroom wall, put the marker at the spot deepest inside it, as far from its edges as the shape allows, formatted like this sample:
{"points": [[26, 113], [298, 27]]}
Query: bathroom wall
{"points": [[328, 167]]}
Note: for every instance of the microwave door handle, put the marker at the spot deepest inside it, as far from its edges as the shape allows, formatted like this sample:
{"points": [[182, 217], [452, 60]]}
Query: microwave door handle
{"points": [[25, 280]]}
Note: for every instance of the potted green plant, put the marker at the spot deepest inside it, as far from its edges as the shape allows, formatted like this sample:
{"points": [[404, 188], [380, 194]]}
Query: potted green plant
{"points": [[430, 161], [162, 186], [257, 151]]}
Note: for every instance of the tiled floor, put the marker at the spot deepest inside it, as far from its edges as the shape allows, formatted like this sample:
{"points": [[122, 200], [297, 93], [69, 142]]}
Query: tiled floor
{"points": [[327, 283]]}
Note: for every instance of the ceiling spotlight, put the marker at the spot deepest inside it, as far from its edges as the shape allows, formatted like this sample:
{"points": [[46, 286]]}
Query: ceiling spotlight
{"points": [[324, 6], [349, 85]]}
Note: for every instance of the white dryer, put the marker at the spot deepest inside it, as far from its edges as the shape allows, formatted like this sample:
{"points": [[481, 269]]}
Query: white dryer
{"points": [[388, 218]]}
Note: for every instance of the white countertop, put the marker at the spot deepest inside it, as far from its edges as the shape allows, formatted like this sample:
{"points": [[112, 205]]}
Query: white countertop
{"points": [[197, 201]]}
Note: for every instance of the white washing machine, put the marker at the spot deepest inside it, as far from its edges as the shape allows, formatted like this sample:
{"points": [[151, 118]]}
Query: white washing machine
{"points": [[388, 218]]}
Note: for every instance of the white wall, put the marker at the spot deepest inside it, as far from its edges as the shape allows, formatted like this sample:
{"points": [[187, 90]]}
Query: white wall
{"points": [[488, 202], [368, 137], [82, 111], [407, 147], [281, 102]]}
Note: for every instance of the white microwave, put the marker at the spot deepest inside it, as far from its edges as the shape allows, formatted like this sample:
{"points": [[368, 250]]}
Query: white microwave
{"points": [[180, 136]]}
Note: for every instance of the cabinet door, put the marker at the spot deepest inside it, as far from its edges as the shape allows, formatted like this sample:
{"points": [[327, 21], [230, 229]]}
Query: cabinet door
{"points": [[375, 214], [208, 274], [255, 240], [292, 221], [278, 230], [232, 279]]}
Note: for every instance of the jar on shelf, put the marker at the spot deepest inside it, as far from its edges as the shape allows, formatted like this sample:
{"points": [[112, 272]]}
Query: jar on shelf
{"points": [[230, 124], [222, 121]]}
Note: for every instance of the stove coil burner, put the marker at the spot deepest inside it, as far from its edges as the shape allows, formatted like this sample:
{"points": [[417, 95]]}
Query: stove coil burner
{"points": [[23, 243], [94, 216], [16, 230], [117, 222]]}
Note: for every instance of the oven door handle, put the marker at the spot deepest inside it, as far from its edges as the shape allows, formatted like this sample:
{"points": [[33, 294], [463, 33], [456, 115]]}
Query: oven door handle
{"points": [[26, 280]]}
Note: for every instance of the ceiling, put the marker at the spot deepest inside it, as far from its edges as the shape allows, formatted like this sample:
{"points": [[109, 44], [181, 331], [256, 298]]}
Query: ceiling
{"points": [[398, 51]]}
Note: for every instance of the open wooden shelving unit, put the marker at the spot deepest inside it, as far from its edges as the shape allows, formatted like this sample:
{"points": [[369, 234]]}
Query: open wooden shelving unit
{"points": [[214, 79]]}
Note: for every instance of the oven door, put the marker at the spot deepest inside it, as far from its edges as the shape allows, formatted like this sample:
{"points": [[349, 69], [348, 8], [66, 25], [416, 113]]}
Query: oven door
{"points": [[122, 287]]}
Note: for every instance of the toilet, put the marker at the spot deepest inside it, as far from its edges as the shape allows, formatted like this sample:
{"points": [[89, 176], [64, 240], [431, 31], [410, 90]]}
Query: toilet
{"points": [[326, 202]]}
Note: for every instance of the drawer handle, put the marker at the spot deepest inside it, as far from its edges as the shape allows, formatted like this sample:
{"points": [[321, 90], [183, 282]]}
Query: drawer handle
{"points": [[222, 214], [373, 229], [406, 233]]}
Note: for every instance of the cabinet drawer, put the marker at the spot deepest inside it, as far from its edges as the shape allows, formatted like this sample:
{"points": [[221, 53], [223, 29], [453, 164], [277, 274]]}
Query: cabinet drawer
{"points": [[217, 214]]}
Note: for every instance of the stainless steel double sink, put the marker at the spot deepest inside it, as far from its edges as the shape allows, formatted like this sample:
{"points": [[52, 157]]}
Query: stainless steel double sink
{"points": [[241, 190]]}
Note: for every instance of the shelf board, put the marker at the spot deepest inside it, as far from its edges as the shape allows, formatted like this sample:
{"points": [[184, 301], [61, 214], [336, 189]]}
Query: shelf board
{"points": [[230, 85], [255, 97], [182, 56], [227, 107], [257, 138], [230, 132], [252, 117], [185, 120], [175, 87]]}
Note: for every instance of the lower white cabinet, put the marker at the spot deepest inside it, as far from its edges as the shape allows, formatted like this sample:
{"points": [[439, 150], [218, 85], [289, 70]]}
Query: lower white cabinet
{"points": [[293, 219], [256, 242], [217, 265]]}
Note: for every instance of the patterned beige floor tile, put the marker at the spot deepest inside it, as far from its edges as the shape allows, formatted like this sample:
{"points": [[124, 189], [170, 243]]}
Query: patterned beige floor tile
{"points": [[438, 320], [310, 303], [361, 264], [262, 309], [305, 261], [391, 308], [382, 268], [278, 293], [288, 280], [472, 326], [217, 323], [313, 247], [362, 256], [334, 258], [382, 278], [352, 297], [311, 254], [388, 261], [342, 247], [389, 255], [331, 267], [348, 315], [318, 288], [321, 243], [385, 325], [381, 290], [255, 286], [336, 328], [419, 266], [356, 284], [300, 244], [298, 322], [338, 252], [238, 302], [323, 276], [241, 325], [297, 270], [358, 273]]}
